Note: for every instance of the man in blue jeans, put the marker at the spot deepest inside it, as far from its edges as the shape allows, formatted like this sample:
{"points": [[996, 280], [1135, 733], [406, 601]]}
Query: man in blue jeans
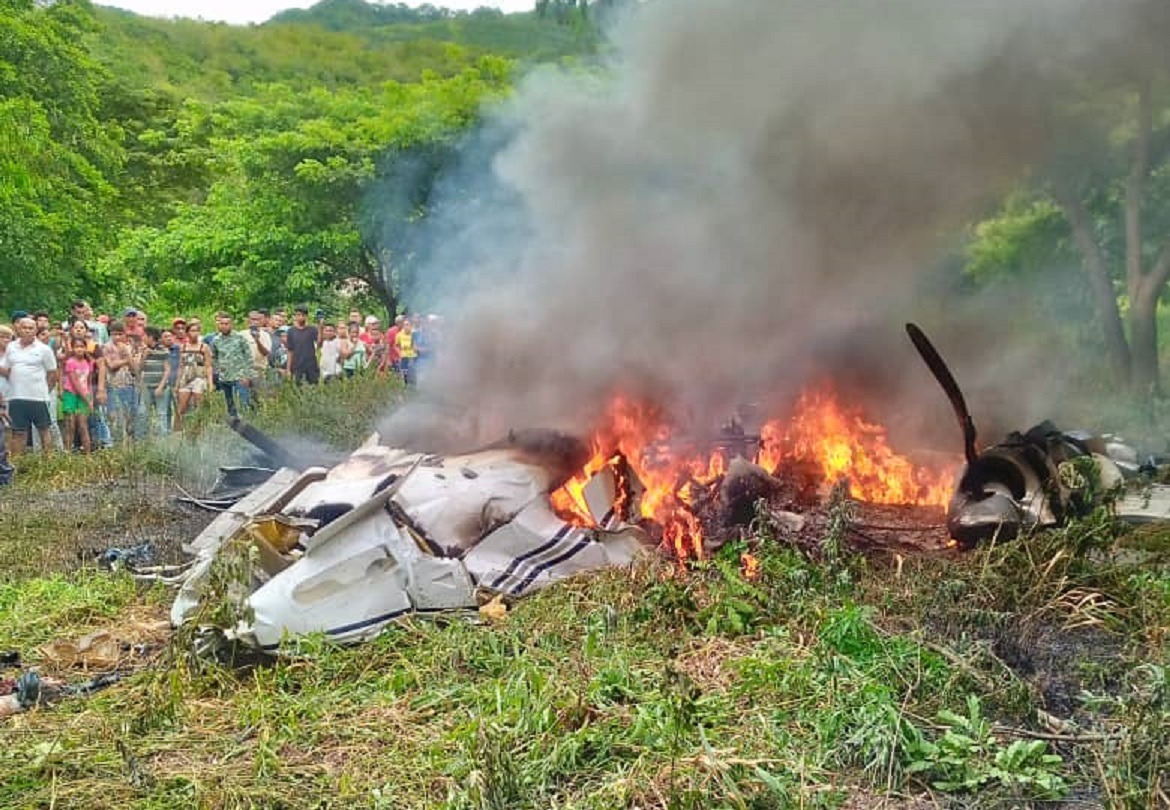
{"points": [[154, 396]]}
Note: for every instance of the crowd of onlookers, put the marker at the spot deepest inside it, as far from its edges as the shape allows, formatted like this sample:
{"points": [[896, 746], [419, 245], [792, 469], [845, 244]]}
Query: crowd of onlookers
{"points": [[89, 381]]}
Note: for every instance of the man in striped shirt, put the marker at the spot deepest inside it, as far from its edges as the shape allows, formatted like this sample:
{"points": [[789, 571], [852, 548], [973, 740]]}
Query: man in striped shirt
{"points": [[154, 384]]}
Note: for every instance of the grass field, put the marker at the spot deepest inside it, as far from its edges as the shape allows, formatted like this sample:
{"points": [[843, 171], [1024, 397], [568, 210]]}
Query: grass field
{"points": [[1032, 673]]}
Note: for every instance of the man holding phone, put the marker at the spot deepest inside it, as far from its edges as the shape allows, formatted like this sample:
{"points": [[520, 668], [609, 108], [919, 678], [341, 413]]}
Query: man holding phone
{"points": [[260, 342]]}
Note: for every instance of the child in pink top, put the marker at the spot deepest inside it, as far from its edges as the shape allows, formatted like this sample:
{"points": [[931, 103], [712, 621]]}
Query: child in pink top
{"points": [[77, 399]]}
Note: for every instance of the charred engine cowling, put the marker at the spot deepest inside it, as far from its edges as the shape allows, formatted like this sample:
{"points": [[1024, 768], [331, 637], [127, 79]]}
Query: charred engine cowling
{"points": [[1035, 479]]}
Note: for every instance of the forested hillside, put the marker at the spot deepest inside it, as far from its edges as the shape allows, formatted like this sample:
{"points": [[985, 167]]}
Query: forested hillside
{"points": [[180, 163], [333, 44]]}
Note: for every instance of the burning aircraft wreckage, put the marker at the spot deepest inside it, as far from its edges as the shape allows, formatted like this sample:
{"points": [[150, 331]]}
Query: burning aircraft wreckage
{"points": [[388, 531]]}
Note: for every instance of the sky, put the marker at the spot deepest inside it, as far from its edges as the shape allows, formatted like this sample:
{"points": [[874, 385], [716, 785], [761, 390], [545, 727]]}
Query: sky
{"points": [[255, 11]]}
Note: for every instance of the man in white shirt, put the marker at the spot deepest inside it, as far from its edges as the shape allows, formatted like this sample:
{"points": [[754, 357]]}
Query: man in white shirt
{"points": [[330, 353], [260, 341], [31, 370]]}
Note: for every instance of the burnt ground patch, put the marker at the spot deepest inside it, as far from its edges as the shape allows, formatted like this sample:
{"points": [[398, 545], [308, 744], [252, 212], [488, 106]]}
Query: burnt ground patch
{"points": [[1060, 663], [61, 529]]}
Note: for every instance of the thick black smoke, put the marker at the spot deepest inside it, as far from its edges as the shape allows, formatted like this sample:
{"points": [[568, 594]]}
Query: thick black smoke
{"points": [[745, 198]]}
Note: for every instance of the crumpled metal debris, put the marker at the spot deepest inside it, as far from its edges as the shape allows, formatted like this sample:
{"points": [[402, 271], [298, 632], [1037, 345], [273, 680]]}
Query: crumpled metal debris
{"points": [[1037, 479], [133, 556], [388, 532]]}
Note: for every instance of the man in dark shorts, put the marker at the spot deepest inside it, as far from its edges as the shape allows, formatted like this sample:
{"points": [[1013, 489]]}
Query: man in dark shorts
{"points": [[302, 349], [31, 369]]}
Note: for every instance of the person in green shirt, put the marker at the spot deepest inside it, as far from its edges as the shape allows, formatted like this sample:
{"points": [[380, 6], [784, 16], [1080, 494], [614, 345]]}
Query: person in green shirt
{"points": [[231, 355]]}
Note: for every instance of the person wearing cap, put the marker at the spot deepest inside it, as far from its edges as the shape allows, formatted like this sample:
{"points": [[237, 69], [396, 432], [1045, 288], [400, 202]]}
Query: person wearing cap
{"points": [[301, 341], [364, 337], [135, 324]]}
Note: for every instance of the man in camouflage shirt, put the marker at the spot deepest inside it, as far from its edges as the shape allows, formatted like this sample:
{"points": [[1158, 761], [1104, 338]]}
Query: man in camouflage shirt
{"points": [[231, 354]]}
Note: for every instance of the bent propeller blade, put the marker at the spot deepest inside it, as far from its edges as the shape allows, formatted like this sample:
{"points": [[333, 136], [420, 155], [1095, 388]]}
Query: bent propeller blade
{"points": [[938, 368]]}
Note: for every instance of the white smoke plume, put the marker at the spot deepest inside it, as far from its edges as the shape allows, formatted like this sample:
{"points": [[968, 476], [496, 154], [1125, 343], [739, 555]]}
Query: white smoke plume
{"points": [[744, 198]]}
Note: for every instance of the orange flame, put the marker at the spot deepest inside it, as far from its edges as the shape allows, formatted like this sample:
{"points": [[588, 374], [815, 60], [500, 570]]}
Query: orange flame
{"points": [[837, 440], [569, 500], [842, 444], [636, 434], [749, 567]]}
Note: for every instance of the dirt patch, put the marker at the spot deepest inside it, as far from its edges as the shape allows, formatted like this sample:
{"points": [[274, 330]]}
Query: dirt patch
{"points": [[862, 799], [59, 530], [705, 663], [897, 528]]}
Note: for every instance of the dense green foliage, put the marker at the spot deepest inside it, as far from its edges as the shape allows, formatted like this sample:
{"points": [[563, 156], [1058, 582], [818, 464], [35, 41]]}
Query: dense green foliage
{"points": [[282, 216], [177, 163], [1099, 213], [58, 153]]}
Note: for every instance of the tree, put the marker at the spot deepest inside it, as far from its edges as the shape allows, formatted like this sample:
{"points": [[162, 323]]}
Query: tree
{"points": [[1109, 177], [286, 217], [1088, 200], [57, 153]]}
